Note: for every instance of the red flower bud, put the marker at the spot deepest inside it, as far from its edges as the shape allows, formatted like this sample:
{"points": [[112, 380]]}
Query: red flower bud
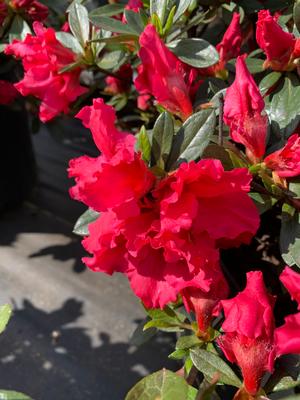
{"points": [[277, 44], [249, 330], [243, 112], [164, 76]]}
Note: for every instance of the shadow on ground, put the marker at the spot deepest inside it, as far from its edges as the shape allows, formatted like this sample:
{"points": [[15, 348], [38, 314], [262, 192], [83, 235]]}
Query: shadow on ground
{"points": [[46, 356]]}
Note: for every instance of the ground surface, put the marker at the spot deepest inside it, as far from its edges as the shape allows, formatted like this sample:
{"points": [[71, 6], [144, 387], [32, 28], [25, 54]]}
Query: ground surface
{"points": [[69, 336]]}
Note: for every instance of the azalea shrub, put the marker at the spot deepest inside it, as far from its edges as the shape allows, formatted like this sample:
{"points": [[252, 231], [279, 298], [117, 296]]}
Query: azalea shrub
{"points": [[194, 196]]}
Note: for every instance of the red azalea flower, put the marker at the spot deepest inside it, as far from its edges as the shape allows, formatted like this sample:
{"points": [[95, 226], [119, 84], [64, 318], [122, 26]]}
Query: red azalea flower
{"points": [[118, 164], [203, 197], [287, 337], [205, 304], [33, 9], [291, 281], [164, 76], [286, 162], [43, 56], [8, 92], [250, 339], [249, 329], [119, 85], [242, 112], [278, 45], [163, 236], [228, 48]]}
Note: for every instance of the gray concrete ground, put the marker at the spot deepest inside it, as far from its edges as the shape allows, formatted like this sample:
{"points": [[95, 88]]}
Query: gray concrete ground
{"points": [[69, 335]]}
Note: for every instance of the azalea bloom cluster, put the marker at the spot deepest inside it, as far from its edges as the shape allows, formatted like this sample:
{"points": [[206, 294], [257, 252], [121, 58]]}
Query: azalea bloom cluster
{"points": [[160, 232], [251, 339], [243, 112], [43, 58]]}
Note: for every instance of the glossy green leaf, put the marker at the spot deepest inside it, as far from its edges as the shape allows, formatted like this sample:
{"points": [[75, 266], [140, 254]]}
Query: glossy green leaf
{"points": [[290, 237], [107, 11], [294, 187], [192, 138], [69, 41], [210, 364], [268, 81], [79, 22], [134, 21], [196, 52], [163, 133], [11, 395], [296, 14], [263, 202], [81, 226], [162, 385], [19, 29], [143, 144], [141, 336], [112, 25], [5, 314], [220, 153], [178, 354], [182, 6], [254, 65], [112, 60], [187, 341], [166, 319], [160, 8], [283, 106]]}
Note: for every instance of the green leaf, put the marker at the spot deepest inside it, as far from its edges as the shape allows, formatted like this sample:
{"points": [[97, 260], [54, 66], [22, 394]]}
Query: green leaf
{"points": [[263, 202], [112, 25], [296, 14], [294, 187], [237, 162], [192, 138], [220, 153], [254, 65], [10, 395], [107, 11], [141, 336], [112, 60], [79, 22], [134, 21], [183, 5], [19, 29], [187, 341], [290, 237], [178, 354], [163, 132], [143, 144], [282, 107], [69, 41], [166, 320], [210, 364], [160, 8], [195, 52], [268, 81], [5, 314], [81, 226], [162, 385]]}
